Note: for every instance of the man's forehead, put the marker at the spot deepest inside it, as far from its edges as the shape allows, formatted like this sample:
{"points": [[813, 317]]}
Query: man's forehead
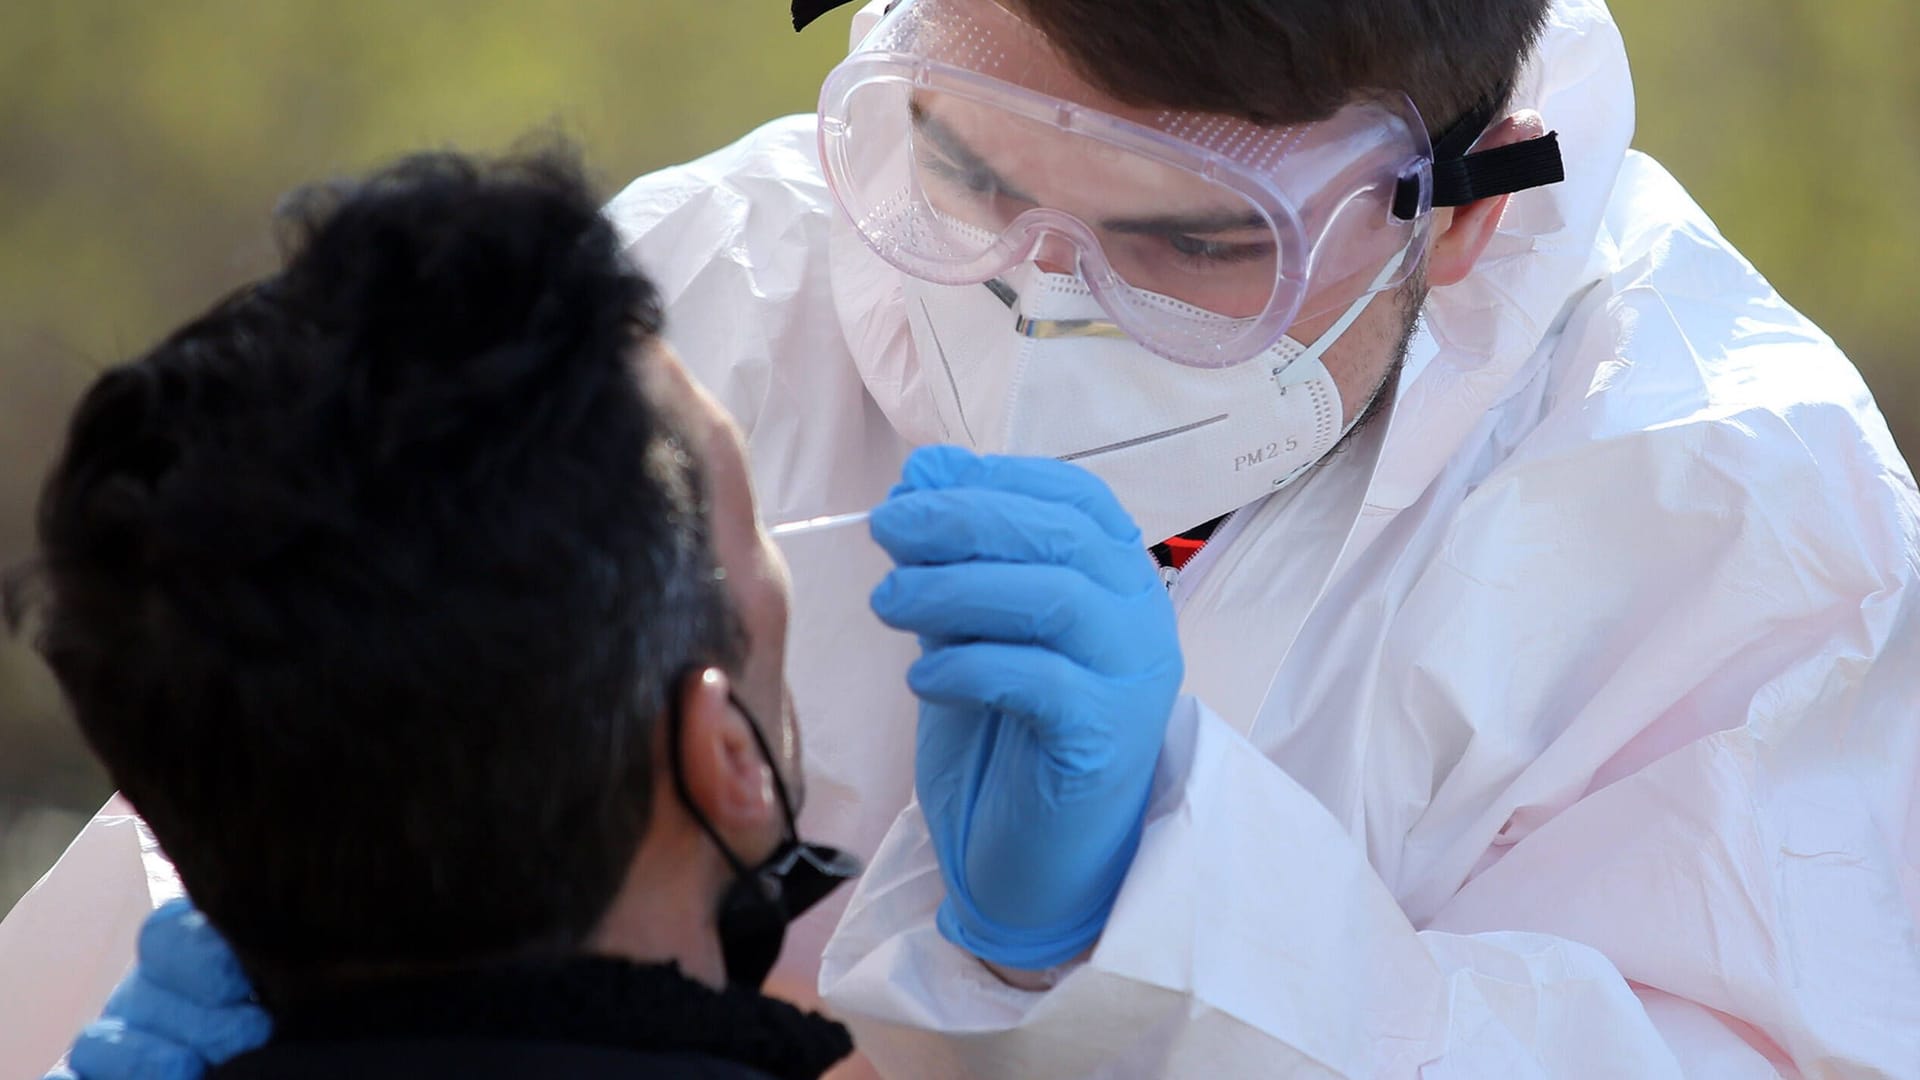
{"points": [[1032, 159], [986, 37], [991, 39]]}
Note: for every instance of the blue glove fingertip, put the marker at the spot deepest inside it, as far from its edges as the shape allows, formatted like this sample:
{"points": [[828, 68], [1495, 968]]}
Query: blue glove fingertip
{"points": [[181, 951], [884, 598], [908, 527], [927, 675], [1052, 480], [177, 915], [243, 1028], [894, 519], [109, 1050], [938, 466], [213, 1031]]}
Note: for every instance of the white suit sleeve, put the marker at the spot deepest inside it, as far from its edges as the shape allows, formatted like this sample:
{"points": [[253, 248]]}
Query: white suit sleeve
{"points": [[1253, 938], [67, 943]]}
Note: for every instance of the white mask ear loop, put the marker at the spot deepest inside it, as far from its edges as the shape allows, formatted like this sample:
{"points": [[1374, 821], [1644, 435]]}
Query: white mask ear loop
{"points": [[1345, 322], [1341, 326]]}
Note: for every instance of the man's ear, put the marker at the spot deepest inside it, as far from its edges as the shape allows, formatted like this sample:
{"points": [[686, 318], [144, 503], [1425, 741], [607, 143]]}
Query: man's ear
{"points": [[1462, 233], [727, 778]]}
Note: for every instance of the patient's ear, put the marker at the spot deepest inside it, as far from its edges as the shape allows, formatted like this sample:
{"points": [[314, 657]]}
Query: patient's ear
{"points": [[1462, 233], [726, 775]]}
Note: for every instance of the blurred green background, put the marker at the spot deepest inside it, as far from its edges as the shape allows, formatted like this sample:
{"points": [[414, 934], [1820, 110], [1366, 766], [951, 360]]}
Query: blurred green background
{"points": [[142, 147]]}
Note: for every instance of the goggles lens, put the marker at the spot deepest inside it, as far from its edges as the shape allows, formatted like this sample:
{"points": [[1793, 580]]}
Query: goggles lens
{"points": [[1157, 227]]}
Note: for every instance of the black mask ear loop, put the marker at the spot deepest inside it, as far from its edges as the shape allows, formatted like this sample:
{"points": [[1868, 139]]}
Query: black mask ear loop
{"points": [[752, 916], [755, 910], [799, 874], [766, 755], [1461, 177], [675, 723]]}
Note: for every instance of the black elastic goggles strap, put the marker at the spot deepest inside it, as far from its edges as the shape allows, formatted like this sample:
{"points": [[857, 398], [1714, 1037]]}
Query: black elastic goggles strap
{"points": [[1500, 171], [1460, 177], [805, 11]]}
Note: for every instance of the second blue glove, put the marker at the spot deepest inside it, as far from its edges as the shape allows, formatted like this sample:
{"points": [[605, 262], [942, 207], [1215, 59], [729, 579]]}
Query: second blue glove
{"points": [[185, 1006]]}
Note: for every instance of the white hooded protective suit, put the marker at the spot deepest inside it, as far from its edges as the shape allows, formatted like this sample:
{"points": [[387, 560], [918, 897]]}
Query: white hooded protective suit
{"points": [[1563, 726]]}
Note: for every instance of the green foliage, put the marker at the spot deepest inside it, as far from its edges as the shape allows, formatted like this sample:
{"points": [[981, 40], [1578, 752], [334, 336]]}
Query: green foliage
{"points": [[143, 145]]}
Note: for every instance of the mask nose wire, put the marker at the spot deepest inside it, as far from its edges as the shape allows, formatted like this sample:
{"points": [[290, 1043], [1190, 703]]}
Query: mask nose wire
{"points": [[1048, 329], [1056, 248], [1043, 328], [1009, 297], [1051, 329]]}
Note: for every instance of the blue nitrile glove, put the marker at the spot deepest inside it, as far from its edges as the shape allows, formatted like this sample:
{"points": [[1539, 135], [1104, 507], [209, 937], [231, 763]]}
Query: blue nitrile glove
{"points": [[1050, 663], [185, 1007]]}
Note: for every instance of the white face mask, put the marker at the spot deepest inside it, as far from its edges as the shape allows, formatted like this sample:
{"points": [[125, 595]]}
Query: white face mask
{"points": [[1178, 445]]}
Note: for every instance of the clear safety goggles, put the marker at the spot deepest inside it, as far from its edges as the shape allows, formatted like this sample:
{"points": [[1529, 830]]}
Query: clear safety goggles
{"points": [[961, 145]]}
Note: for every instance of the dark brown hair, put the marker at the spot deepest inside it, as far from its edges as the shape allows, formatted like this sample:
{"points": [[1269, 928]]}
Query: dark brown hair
{"points": [[1282, 61], [368, 584]]}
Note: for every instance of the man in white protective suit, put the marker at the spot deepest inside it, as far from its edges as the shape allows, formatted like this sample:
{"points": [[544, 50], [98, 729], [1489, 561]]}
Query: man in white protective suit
{"points": [[1533, 691]]}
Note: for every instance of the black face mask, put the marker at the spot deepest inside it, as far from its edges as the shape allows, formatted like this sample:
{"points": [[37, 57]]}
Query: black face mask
{"points": [[755, 910]]}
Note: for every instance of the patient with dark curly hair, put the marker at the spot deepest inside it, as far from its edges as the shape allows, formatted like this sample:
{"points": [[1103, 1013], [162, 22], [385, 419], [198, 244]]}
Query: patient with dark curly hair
{"points": [[415, 596]]}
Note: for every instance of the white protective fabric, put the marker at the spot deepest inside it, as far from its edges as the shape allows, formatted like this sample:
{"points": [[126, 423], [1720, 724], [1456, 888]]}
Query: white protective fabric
{"points": [[1562, 727], [69, 941]]}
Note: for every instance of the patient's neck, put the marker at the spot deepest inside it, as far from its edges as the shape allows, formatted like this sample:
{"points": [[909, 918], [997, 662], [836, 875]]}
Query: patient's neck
{"points": [[666, 906]]}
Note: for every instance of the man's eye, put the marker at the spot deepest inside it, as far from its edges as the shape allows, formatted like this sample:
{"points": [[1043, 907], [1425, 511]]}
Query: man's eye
{"points": [[1192, 245], [1195, 247], [977, 181]]}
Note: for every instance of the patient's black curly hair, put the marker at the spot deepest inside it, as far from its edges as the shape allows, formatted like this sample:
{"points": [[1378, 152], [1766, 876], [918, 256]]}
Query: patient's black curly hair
{"points": [[367, 583]]}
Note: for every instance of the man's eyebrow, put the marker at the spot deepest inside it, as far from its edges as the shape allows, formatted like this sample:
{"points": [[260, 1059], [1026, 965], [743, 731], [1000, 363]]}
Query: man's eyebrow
{"points": [[951, 144], [1216, 221], [1205, 222]]}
